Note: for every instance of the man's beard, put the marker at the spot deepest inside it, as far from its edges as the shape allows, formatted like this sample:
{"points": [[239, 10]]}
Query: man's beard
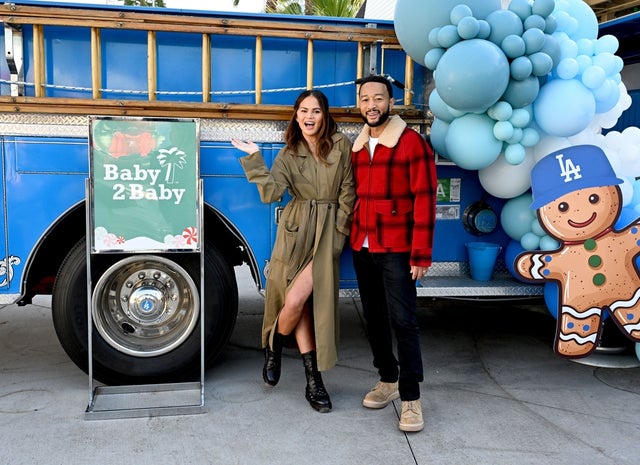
{"points": [[384, 116]]}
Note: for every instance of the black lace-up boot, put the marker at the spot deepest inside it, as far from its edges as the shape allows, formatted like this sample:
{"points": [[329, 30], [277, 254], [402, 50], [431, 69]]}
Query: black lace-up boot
{"points": [[315, 392], [272, 361]]}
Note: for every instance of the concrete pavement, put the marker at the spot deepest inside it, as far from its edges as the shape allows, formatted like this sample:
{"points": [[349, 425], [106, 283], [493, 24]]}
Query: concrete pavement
{"points": [[494, 394]]}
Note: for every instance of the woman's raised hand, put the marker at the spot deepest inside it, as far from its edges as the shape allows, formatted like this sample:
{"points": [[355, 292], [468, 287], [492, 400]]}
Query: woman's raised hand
{"points": [[246, 146]]}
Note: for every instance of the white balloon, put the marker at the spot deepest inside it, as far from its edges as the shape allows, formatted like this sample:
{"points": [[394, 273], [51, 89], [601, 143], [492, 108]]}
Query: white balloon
{"points": [[504, 180]]}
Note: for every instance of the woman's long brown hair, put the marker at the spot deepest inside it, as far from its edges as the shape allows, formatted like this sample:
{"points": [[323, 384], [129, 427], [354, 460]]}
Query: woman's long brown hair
{"points": [[293, 134]]}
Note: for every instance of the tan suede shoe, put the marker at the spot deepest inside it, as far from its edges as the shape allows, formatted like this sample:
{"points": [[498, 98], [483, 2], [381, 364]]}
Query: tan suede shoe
{"points": [[381, 395], [411, 417]]}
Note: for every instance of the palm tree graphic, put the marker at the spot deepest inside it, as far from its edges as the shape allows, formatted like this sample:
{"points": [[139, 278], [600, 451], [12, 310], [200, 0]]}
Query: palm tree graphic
{"points": [[171, 158]]}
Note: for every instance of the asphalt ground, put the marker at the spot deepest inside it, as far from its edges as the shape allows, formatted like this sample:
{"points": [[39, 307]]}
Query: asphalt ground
{"points": [[494, 393]]}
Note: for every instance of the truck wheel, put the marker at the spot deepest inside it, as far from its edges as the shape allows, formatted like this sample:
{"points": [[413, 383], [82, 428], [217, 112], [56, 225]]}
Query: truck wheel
{"points": [[145, 312]]}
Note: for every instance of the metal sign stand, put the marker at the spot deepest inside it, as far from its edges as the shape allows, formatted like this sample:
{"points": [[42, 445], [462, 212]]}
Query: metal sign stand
{"points": [[145, 400]]}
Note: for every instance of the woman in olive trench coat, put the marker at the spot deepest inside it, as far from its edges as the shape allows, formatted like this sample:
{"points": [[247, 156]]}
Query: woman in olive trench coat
{"points": [[315, 167]]}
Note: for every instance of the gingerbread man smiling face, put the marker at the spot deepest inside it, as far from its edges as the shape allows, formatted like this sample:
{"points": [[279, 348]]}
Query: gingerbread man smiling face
{"points": [[578, 202]]}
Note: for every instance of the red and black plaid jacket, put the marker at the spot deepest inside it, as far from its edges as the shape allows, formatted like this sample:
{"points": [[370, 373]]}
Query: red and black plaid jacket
{"points": [[396, 193]]}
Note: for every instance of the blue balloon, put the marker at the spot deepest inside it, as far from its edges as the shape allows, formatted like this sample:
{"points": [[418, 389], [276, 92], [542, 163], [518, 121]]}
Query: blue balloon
{"points": [[516, 216], [502, 111], [521, 68], [513, 46], [521, 93], [439, 109], [515, 153], [470, 142], [534, 40], [504, 23], [548, 243], [472, 75], [564, 107], [542, 63], [414, 19], [543, 7], [530, 241], [432, 58], [520, 7], [568, 68], [460, 12], [448, 36], [438, 136], [468, 28], [534, 22]]}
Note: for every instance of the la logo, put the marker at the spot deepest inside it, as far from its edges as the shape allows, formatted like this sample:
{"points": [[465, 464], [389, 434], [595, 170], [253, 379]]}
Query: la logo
{"points": [[570, 171]]}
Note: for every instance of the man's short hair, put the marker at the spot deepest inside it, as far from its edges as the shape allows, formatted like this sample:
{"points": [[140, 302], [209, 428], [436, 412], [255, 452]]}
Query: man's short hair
{"points": [[376, 78]]}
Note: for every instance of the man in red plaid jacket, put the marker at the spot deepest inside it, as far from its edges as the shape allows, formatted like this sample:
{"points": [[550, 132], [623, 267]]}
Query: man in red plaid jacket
{"points": [[391, 238]]}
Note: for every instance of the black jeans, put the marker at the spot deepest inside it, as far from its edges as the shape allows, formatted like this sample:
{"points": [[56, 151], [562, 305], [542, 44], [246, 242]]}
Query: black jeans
{"points": [[388, 296]]}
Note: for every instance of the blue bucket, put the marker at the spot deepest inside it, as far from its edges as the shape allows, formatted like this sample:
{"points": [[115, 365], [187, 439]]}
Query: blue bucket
{"points": [[482, 259]]}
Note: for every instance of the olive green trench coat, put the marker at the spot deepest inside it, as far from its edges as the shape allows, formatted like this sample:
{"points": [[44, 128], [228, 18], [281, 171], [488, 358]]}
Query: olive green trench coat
{"points": [[313, 225]]}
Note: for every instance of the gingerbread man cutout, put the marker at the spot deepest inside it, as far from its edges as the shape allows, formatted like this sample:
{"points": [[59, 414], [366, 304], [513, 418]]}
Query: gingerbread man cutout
{"points": [[578, 202]]}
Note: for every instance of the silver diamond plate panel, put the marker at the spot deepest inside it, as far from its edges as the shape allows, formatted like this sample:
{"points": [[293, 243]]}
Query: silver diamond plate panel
{"points": [[28, 124]]}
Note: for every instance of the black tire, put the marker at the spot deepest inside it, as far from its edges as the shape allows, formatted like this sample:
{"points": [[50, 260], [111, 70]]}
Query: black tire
{"points": [[129, 348]]}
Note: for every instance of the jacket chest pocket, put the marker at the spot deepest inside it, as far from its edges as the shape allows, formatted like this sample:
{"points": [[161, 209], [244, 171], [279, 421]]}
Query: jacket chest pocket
{"points": [[393, 222]]}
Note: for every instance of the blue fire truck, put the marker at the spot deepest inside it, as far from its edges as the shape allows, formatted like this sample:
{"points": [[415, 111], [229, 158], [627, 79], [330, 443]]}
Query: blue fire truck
{"points": [[237, 75]]}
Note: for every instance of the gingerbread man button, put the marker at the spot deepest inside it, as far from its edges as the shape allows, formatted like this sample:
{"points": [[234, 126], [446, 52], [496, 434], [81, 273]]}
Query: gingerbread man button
{"points": [[578, 202]]}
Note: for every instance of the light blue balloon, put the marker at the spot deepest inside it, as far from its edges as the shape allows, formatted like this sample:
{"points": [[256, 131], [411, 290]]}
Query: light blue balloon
{"points": [[432, 58], [470, 142], [550, 25], [433, 37], [568, 48], [593, 77], [606, 96], [567, 68], [537, 229], [472, 75], [530, 137], [548, 243], [584, 22], [468, 28], [584, 62], [564, 107], [521, 68], [438, 136], [607, 61], [533, 40], [503, 130], [516, 216], [459, 12], [521, 8], [515, 138], [521, 93], [504, 23], [414, 19], [448, 36], [520, 118], [543, 7], [534, 22], [513, 46], [585, 46], [485, 29], [551, 48], [530, 241], [515, 154], [542, 63], [437, 106], [500, 111]]}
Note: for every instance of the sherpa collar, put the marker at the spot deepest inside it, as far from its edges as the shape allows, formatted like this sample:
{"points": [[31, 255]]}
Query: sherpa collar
{"points": [[389, 137]]}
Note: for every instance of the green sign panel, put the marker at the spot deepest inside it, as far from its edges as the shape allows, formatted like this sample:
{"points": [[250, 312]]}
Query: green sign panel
{"points": [[145, 184]]}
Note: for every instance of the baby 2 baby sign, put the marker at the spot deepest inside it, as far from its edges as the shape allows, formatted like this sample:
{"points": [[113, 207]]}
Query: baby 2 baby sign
{"points": [[145, 184]]}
